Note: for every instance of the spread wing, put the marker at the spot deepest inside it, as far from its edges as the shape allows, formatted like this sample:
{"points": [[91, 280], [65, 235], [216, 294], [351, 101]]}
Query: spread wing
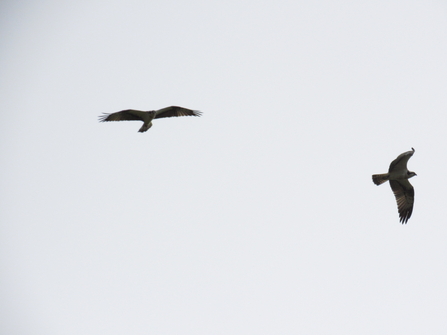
{"points": [[404, 193], [400, 163], [124, 115], [176, 111]]}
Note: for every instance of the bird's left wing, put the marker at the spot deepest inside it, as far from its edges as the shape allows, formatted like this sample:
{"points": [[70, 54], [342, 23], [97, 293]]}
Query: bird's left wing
{"points": [[124, 115], [176, 111], [404, 193], [400, 163]]}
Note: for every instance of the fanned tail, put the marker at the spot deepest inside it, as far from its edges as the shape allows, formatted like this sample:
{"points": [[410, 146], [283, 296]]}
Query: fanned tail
{"points": [[380, 178]]}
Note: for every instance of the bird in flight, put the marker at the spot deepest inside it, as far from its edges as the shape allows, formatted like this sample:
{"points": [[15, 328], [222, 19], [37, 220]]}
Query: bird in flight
{"points": [[147, 117], [398, 176]]}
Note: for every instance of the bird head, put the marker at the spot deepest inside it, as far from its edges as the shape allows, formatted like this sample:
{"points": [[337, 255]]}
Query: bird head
{"points": [[411, 174]]}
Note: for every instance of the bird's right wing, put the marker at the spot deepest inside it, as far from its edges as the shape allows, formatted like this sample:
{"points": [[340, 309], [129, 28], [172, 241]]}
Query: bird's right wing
{"points": [[404, 193], [176, 111]]}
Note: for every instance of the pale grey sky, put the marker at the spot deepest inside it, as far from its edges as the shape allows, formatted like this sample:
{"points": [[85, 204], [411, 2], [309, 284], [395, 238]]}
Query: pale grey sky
{"points": [[260, 217]]}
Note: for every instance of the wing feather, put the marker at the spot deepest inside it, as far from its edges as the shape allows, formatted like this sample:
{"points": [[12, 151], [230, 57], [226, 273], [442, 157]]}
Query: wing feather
{"points": [[176, 111], [404, 193], [400, 163], [124, 115]]}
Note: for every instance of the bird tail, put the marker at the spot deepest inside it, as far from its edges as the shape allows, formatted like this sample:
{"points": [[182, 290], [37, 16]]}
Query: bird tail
{"points": [[145, 127], [380, 178]]}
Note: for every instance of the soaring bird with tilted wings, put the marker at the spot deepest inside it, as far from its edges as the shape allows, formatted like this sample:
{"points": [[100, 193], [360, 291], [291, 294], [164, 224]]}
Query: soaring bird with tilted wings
{"points": [[147, 117], [398, 176]]}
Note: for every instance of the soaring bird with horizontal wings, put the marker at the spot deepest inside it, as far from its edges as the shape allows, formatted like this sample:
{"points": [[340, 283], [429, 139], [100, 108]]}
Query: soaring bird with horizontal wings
{"points": [[398, 176], [147, 117]]}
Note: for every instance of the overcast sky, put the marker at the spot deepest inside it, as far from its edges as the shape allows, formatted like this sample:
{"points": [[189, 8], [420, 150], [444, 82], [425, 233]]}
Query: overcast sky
{"points": [[260, 217]]}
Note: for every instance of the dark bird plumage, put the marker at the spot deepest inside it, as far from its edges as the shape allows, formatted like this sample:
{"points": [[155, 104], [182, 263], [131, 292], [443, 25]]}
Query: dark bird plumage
{"points": [[147, 117], [398, 176]]}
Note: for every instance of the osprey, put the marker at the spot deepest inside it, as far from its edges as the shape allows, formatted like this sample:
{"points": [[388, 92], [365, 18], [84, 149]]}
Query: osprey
{"points": [[398, 176], [147, 117]]}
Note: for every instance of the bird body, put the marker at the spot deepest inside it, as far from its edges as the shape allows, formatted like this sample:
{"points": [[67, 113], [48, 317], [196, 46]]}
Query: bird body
{"points": [[398, 176], [148, 116]]}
